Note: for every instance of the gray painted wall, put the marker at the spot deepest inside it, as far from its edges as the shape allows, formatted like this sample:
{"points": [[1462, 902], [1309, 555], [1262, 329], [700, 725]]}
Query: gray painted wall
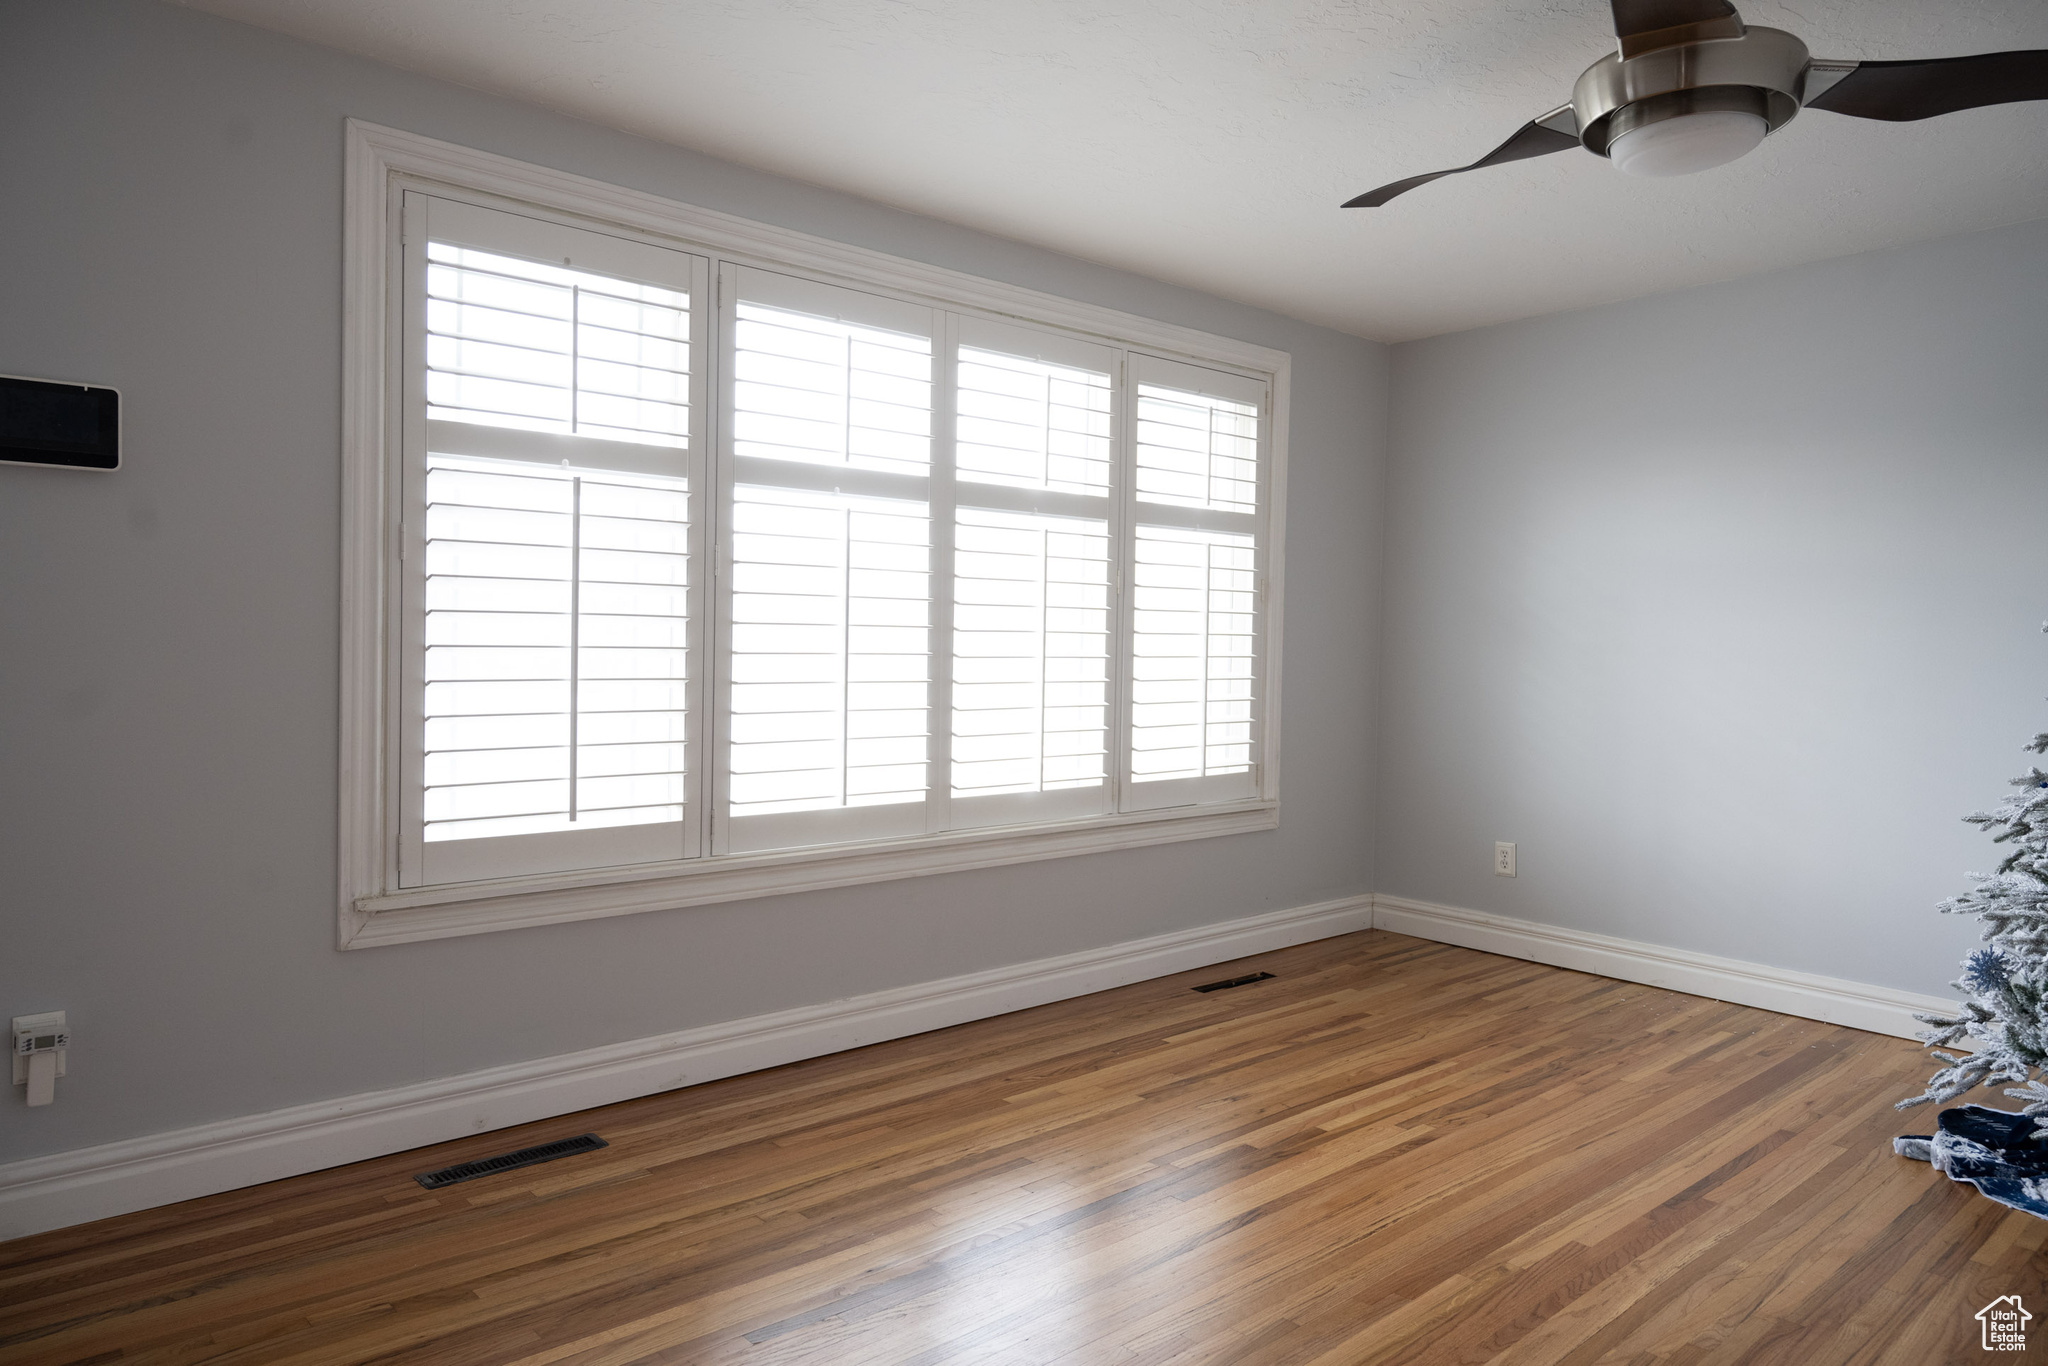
{"points": [[1724, 605], [170, 225]]}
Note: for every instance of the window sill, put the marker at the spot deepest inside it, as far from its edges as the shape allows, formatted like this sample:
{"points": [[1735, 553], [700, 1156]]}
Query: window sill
{"points": [[513, 903]]}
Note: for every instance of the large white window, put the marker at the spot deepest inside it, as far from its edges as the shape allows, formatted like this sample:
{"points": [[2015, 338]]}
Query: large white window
{"points": [[690, 560]]}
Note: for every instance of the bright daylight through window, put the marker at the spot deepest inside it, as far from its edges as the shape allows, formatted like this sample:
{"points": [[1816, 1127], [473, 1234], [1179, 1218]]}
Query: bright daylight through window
{"points": [[700, 561]]}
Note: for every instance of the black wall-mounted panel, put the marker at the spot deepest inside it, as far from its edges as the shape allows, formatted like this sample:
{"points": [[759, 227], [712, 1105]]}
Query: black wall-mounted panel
{"points": [[73, 426]]}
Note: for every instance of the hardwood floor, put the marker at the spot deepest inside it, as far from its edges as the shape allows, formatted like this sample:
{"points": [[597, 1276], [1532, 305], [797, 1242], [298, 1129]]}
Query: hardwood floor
{"points": [[1393, 1151]]}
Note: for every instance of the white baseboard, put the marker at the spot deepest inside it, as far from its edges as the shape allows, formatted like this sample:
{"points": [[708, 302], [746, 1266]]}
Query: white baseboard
{"points": [[1835, 1000], [62, 1189]]}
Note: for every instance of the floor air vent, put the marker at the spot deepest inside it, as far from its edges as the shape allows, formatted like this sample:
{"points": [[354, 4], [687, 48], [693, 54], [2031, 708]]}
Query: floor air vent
{"points": [[525, 1157], [1246, 980]]}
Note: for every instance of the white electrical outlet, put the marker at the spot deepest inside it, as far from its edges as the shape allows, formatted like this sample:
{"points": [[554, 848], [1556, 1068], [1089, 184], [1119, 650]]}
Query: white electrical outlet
{"points": [[1503, 858], [40, 1043]]}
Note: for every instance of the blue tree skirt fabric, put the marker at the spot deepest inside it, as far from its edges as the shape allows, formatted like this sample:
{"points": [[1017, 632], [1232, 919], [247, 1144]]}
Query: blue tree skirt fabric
{"points": [[1993, 1150]]}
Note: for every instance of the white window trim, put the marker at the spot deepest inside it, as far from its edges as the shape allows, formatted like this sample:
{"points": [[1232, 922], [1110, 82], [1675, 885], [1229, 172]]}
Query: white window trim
{"points": [[372, 911]]}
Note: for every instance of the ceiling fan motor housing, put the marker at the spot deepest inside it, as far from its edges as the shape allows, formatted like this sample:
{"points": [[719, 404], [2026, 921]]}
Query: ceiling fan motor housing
{"points": [[1763, 72]]}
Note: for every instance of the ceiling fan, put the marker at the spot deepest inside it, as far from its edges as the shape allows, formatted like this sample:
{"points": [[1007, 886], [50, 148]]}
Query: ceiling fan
{"points": [[1693, 87]]}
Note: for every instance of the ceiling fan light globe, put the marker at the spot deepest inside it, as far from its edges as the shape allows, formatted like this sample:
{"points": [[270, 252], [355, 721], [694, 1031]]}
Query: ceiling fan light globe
{"points": [[1688, 143]]}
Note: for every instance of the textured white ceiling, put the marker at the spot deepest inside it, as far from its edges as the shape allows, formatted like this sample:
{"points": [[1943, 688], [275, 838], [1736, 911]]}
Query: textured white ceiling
{"points": [[1209, 142]]}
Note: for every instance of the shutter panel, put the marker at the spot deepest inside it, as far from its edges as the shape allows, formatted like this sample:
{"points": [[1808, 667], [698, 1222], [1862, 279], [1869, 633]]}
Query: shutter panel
{"points": [[1196, 556], [828, 721], [497, 650], [553, 623], [829, 376], [541, 347], [555, 635], [1030, 665], [830, 651], [1032, 533], [1029, 423], [1194, 448], [1193, 647]]}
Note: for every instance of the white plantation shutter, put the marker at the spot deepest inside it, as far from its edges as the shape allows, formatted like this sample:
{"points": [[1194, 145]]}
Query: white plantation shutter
{"points": [[1031, 661], [554, 403], [828, 376], [1197, 554], [828, 550], [941, 572], [555, 649], [522, 342], [1193, 646], [1196, 449], [1030, 665], [830, 652], [1031, 423]]}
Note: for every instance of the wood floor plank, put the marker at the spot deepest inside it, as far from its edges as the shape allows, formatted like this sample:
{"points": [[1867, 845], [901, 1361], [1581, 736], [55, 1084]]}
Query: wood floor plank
{"points": [[1392, 1151]]}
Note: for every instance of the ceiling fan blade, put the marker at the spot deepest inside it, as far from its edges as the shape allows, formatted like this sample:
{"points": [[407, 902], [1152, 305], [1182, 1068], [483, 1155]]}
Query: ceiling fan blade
{"points": [[1901, 91], [1533, 139], [1646, 25]]}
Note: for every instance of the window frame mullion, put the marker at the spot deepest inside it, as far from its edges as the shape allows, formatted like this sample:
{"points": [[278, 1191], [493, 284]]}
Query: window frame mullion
{"points": [[700, 593], [941, 507], [718, 497], [1123, 540]]}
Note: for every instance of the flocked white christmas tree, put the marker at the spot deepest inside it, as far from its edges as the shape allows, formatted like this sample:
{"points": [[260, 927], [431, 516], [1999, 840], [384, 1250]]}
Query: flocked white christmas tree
{"points": [[2006, 982]]}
